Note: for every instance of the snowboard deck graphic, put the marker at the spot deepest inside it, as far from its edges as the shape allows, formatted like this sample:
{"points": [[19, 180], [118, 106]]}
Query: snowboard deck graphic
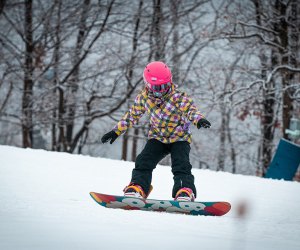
{"points": [[217, 208]]}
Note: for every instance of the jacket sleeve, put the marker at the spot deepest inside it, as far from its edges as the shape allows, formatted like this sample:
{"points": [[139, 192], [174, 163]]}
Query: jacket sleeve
{"points": [[132, 116], [188, 107]]}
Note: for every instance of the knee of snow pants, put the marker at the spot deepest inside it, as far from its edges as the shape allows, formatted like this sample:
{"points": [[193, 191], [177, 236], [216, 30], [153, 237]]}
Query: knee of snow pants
{"points": [[146, 161]]}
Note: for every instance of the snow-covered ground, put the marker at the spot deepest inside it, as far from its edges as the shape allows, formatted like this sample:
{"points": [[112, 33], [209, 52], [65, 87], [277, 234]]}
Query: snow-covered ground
{"points": [[45, 204]]}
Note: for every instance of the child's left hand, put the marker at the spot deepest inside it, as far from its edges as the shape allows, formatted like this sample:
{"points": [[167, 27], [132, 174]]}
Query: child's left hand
{"points": [[203, 123]]}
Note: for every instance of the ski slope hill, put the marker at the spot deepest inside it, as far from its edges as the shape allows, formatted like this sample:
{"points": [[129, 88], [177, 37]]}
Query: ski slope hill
{"points": [[45, 204]]}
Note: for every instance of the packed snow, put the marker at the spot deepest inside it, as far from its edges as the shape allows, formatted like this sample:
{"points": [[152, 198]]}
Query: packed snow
{"points": [[45, 204]]}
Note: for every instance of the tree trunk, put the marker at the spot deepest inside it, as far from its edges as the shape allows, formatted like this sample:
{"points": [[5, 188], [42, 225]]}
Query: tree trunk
{"points": [[55, 80], [175, 58], [134, 49], [27, 121], [230, 142], [268, 120], [74, 78], [131, 66], [2, 5], [291, 38], [61, 111], [124, 147], [287, 104], [159, 54], [134, 144], [267, 104], [221, 155]]}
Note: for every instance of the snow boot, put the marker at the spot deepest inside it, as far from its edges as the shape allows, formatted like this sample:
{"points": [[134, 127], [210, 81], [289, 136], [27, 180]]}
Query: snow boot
{"points": [[134, 190], [184, 194]]}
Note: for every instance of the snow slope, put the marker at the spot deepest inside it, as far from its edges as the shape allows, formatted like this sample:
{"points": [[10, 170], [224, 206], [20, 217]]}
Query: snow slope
{"points": [[45, 204]]}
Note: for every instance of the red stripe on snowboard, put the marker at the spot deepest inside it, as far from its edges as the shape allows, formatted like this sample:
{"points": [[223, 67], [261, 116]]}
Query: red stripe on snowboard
{"points": [[219, 208]]}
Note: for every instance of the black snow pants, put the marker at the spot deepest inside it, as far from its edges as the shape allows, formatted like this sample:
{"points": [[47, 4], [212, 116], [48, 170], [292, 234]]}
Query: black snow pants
{"points": [[153, 153]]}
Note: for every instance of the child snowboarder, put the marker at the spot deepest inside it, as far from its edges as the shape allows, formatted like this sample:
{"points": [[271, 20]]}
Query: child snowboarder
{"points": [[171, 112]]}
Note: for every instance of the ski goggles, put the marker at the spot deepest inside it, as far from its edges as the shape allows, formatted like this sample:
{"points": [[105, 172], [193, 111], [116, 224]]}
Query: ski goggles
{"points": [[162, 88]]}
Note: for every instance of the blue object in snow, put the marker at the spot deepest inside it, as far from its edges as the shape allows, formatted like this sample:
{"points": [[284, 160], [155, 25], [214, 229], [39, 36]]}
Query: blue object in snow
{"points": [[285, 161]]}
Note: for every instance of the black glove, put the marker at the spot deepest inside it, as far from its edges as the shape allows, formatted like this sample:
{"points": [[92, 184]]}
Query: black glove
{"points": [[112, 136], [203, 123]]}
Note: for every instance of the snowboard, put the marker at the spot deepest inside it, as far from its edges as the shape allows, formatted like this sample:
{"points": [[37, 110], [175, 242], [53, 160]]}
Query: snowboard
{"points": [[217, 208]]}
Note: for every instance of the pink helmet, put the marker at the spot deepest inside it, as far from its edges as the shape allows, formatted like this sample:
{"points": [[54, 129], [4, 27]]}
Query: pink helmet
{"points": [[158, 78]]}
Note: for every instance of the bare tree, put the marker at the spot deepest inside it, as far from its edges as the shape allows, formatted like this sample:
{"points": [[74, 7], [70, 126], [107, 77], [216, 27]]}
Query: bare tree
{"points": [[27, 125], [272, 34], [225, 131], [74, 66]]}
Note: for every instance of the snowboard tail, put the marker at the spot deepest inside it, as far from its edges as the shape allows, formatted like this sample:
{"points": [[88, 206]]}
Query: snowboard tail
{"points": [[217, 208]]}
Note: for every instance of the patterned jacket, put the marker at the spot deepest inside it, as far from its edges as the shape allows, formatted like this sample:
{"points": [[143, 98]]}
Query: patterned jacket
{"points": [[170, 116]]}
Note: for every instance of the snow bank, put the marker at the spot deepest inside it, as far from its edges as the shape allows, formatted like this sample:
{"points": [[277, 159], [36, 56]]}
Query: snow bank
{"points": [[45, 204]]}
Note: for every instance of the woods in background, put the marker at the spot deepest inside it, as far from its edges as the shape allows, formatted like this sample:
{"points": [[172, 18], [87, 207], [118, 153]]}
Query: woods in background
{"points": [[69, 69]]}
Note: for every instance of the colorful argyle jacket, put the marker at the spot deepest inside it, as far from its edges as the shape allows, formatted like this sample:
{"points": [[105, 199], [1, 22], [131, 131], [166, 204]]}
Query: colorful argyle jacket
{"points": [[170, 116]]}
